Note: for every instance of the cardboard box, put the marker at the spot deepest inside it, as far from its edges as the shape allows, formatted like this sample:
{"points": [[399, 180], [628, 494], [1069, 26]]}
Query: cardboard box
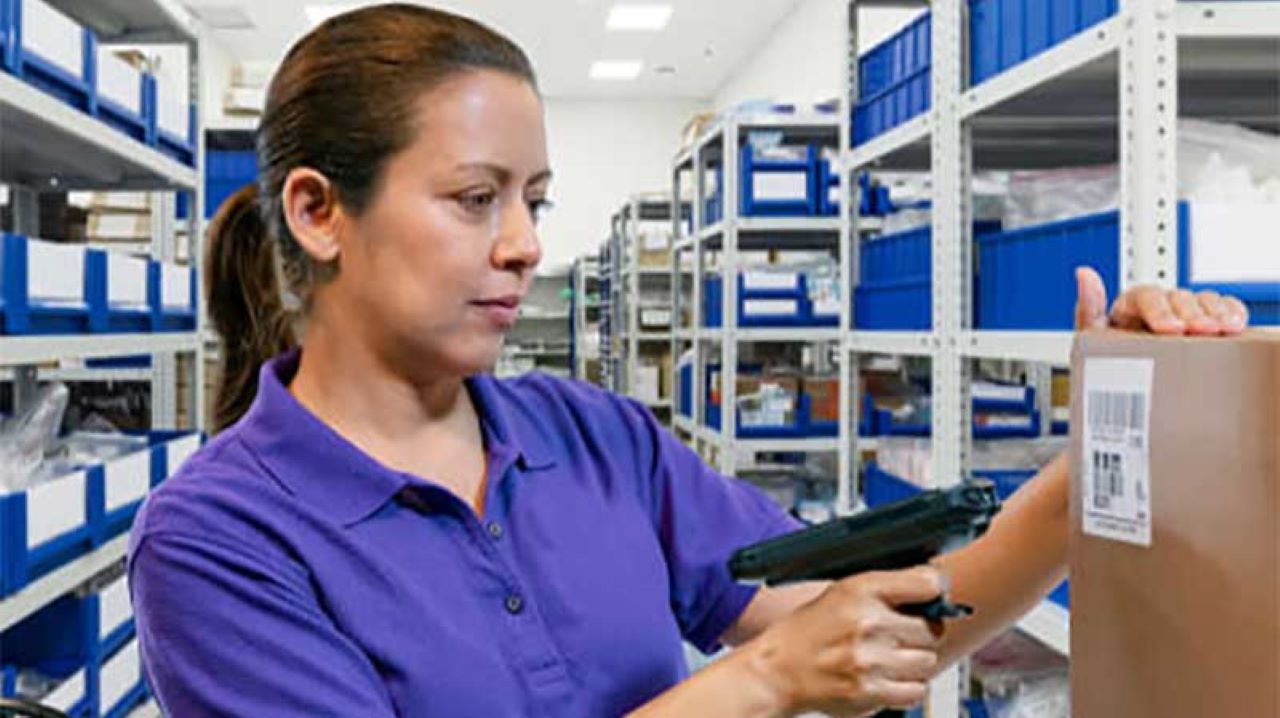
{"points": [[824, 397], [1175, 571]]}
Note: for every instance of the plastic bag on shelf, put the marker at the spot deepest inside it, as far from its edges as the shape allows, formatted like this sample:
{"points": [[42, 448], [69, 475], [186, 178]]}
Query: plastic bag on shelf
{"points": [[27, 437], [1217, 162], [1022, 678]]}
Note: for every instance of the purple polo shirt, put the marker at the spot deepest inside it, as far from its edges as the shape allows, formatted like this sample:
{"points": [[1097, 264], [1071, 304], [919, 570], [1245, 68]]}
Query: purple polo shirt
{"points": [[283, 572]]}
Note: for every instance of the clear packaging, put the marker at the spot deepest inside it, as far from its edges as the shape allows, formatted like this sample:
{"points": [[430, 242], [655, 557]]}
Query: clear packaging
{"points": [[27, 437]]}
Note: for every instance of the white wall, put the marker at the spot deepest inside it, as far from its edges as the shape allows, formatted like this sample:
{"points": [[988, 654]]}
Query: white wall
{"points": [[602, 152], [802, 60]]}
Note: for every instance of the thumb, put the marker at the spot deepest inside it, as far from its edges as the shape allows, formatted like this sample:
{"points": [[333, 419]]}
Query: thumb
{"points": [[1091, 300]]}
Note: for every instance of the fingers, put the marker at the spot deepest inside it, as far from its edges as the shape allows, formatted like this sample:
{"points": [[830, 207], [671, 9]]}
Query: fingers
{"points": [[1230, 314], [1238, 315], [911, 665], [1188, 308], [916, 585], [1146, 308], [900, 694], [1091, 300]]}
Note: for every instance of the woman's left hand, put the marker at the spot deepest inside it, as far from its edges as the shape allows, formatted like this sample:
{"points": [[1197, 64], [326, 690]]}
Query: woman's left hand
{"points": [[1157, 310]]}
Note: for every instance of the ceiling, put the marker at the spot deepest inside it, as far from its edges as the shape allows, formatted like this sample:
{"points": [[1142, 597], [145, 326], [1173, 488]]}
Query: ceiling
{"points": [[704, 42]]}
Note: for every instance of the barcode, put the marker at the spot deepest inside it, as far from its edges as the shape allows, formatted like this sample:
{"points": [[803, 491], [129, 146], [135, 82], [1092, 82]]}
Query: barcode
{"points": [[1108, 478], [1117, 410]]}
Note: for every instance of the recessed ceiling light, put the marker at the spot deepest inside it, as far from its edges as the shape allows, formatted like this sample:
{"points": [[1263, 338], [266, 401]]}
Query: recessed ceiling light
{"points": [[616, 69], [649, 18], [317, 14], [665, 70]]}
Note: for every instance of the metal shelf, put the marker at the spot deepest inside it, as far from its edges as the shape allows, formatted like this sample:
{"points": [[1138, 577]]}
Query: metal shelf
{"points": [[41, 349], [904, 343], [1050, 624], [87, 374], [814, 444], [790, 335], [43, 140], [36, 595], [1047, 347], [785, 233], [149, 709], [903, 147], [134, 21]]}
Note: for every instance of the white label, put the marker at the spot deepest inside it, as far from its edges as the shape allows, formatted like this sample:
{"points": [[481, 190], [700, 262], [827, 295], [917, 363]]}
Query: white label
{"points": [[655, 241], [179, 450], [53, 36], [67, 694], [119, 81], [1115, 471], [114, 607], [119, 675], [770, 307], [655, 317], [826, 307], [999, 392], [771, 280], [1234, 243], [55, 507], [175, 287], [126, 280], [55, 272], [128, 479], [781, 185]]}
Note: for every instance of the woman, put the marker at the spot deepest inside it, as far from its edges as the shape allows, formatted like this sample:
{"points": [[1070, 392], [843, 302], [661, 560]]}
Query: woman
{"points": [[381, 529]]}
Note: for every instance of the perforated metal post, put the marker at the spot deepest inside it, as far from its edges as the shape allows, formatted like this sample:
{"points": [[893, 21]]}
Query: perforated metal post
{"points": [[848, 460], [1149, 143], [951, 281], [25, 204], [730, 140]]}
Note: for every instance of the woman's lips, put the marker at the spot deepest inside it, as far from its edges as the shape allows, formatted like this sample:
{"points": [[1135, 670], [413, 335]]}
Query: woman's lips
{"points": [[501, 311]]}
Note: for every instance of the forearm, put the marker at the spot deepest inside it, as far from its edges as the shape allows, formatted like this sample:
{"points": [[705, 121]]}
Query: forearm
{"points": [[1020, 559], [736, 686]]}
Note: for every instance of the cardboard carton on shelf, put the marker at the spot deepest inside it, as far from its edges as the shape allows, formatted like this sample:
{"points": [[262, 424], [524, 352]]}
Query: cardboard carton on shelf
{"points": [[824, 397], [1175, 526]]}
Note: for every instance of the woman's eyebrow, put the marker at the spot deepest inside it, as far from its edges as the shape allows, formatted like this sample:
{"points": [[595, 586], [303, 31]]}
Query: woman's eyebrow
{"points": [[503, 174]]}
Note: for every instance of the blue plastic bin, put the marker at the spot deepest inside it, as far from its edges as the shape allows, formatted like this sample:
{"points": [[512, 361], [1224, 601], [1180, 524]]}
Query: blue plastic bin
{"points": [[803, 427], [892, 61], [45, 287], [881, 488], [121, 685], [172, 295], [895, 279], [122, 106], [1026, 277], [47, 526], [59, 640], [802, 316], [123, 301], [226, 171], [51, 52], [801, 177], [1003, 33]]}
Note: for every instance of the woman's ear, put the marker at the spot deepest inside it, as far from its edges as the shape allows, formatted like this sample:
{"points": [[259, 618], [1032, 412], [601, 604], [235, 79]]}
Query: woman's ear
{"points": [[312, 212]]}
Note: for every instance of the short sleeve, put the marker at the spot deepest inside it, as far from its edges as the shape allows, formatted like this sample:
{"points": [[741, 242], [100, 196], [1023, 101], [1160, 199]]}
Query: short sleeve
{"points": [[226, 633], [701, 518]]}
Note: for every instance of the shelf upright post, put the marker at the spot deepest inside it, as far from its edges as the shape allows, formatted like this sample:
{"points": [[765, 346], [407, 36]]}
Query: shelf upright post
{"points": [[1149, 143], [952, 277]]}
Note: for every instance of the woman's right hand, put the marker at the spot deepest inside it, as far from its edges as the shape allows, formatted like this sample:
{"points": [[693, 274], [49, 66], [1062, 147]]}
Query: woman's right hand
{"points": [[849, 652]]}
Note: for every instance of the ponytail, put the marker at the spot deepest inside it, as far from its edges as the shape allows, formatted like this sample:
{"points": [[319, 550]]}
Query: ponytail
{"points": [[243, 288]]}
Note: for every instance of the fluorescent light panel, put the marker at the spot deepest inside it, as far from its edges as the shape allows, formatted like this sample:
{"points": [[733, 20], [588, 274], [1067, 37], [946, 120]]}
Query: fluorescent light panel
{"points": [[649, 18], [616, 69]]}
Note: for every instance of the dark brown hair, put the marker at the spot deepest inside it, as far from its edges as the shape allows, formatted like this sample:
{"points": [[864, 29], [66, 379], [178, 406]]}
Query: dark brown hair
{"points": [[341, 103]]}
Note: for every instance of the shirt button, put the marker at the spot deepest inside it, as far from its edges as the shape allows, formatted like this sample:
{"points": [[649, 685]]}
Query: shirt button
{"points": [[515, 604], [495, 529]]}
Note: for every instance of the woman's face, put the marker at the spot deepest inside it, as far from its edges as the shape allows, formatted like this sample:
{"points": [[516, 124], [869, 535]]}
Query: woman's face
{"points": [[435, 268]]}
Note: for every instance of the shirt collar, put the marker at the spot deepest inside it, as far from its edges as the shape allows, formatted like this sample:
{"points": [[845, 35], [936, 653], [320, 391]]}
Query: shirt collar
{"points": [[334, 476]]}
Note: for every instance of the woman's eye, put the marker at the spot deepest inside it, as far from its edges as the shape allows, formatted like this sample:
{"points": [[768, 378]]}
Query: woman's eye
{"points": [[539, 208], [477, 201]]}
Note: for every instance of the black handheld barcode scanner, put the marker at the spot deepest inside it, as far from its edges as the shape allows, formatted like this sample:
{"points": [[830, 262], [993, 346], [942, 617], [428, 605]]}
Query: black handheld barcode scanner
{"points": [[897, 536]]}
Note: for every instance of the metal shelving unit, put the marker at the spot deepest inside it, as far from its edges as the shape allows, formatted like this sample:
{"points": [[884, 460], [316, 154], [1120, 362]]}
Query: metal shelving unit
{"points": [[636, 286], [1111, 93], [718, 147], [585, 307], [47, 146]]}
